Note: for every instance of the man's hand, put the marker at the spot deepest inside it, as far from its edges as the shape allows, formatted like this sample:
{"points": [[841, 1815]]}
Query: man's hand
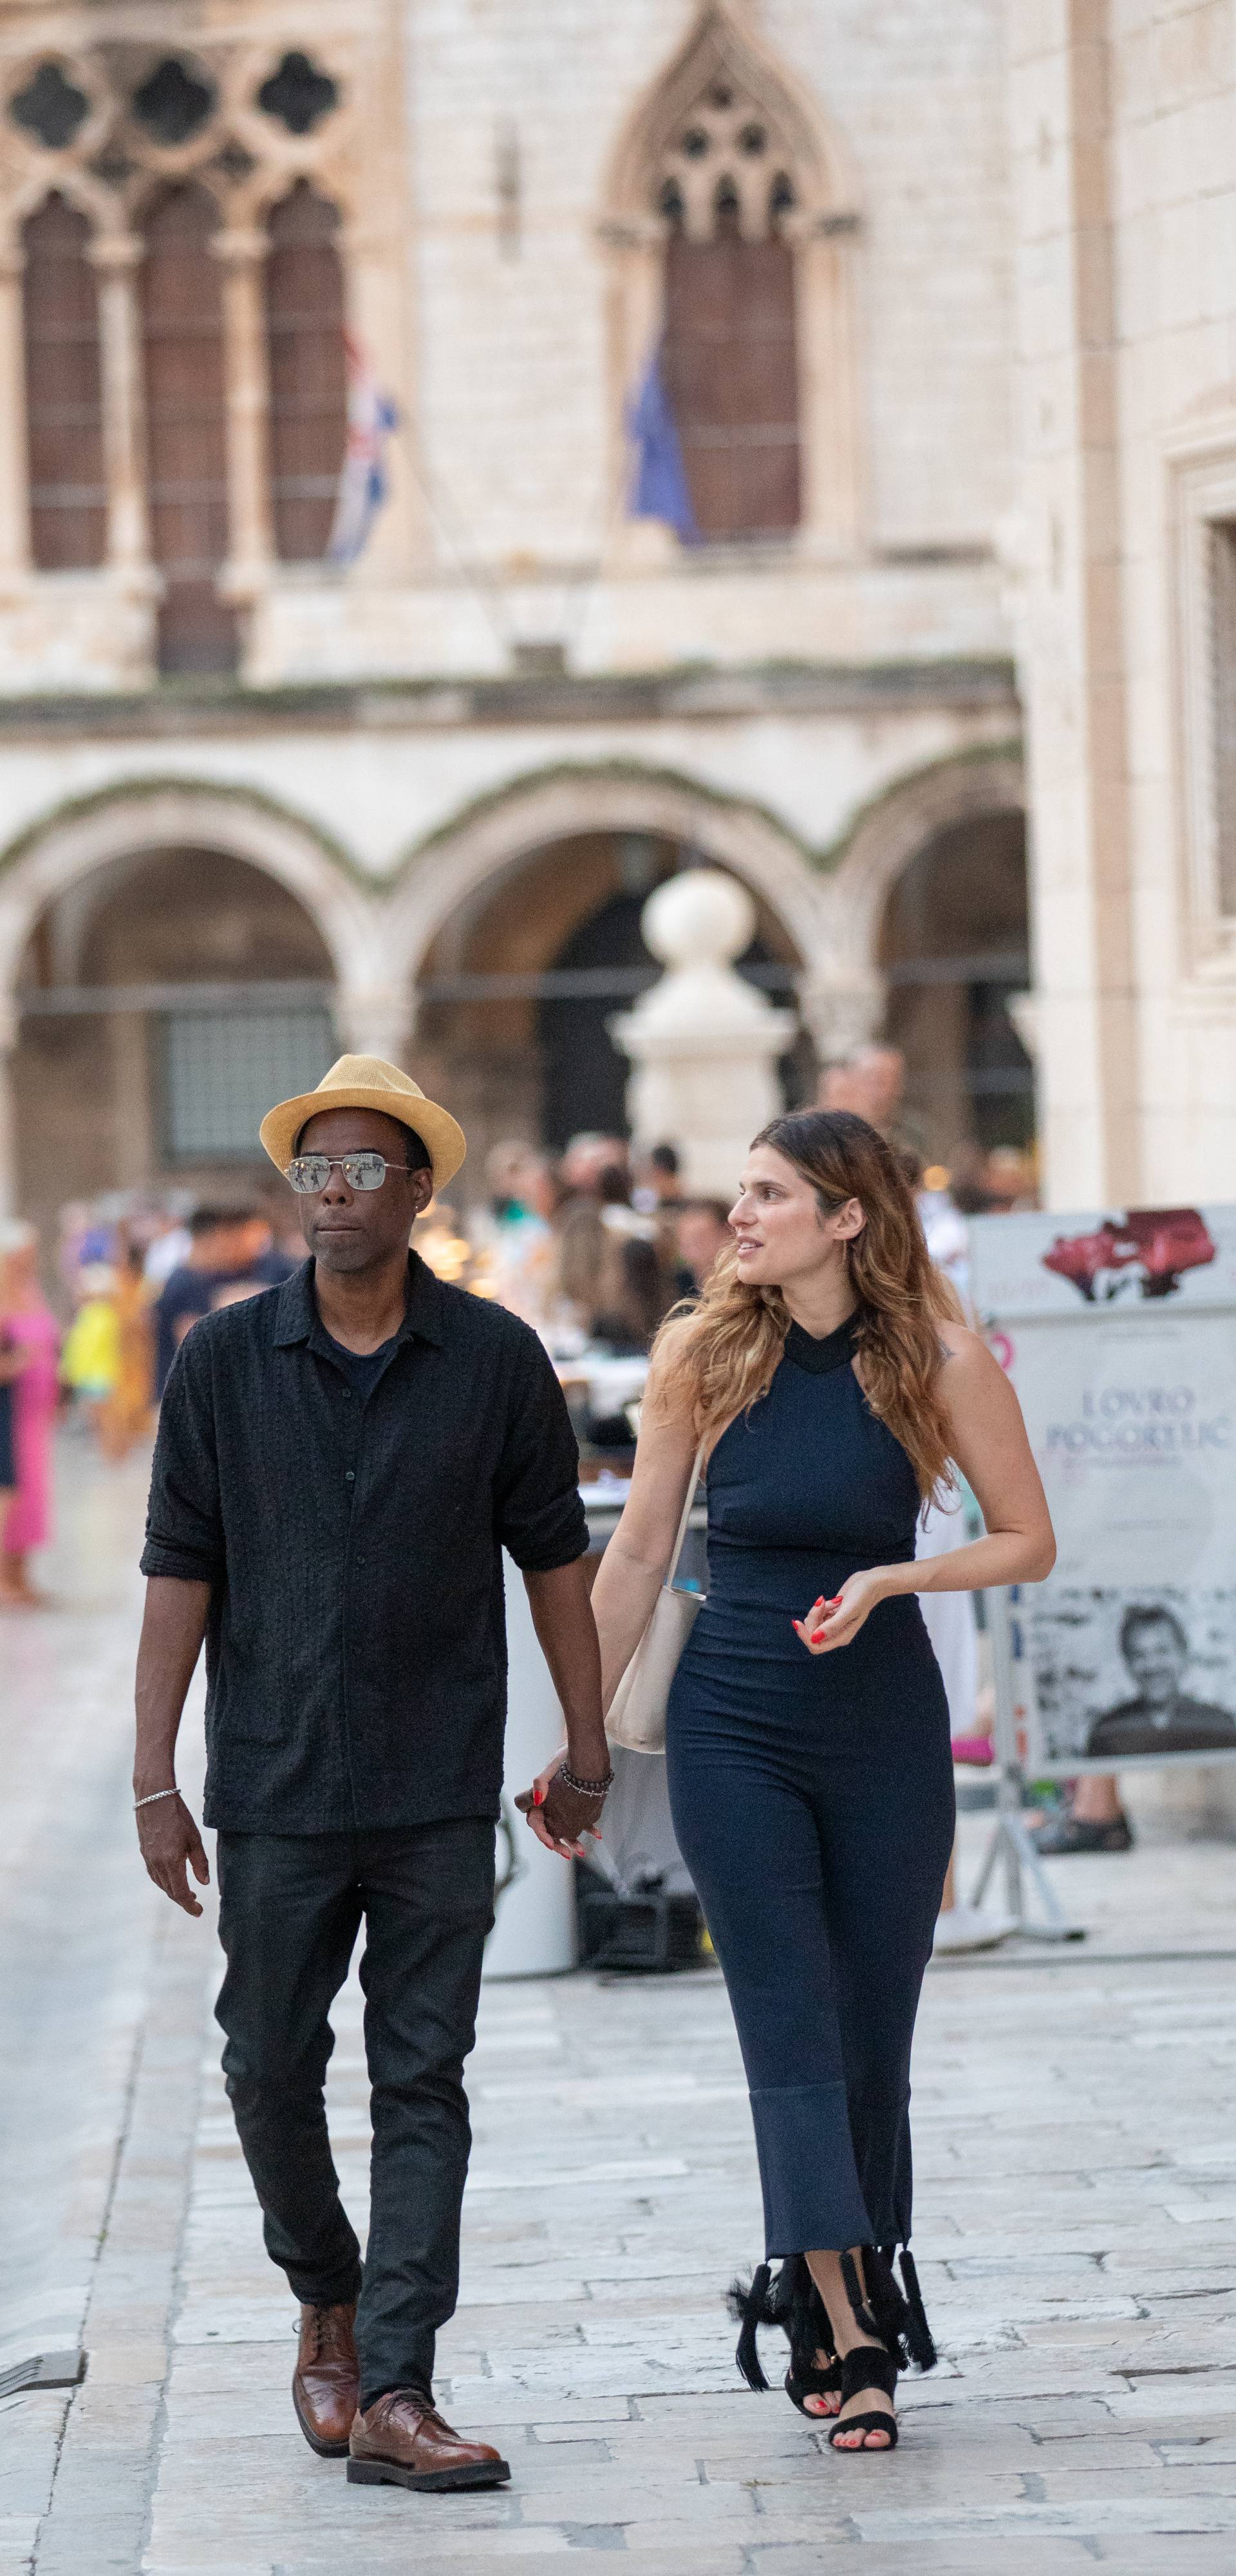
{"points": [[168, 1838], [558, 1816]]}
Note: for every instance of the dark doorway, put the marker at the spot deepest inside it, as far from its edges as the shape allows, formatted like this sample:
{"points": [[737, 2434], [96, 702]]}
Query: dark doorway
{"points": [[955, 950], [584, 1073]]}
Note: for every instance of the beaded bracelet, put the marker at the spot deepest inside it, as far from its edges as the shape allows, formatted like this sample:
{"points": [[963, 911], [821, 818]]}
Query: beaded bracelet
{"points": [[584, 1788], [154, 1798]]}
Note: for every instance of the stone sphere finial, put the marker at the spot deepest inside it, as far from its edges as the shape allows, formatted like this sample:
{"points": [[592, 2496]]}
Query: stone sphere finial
{"points": [[699, 918]]}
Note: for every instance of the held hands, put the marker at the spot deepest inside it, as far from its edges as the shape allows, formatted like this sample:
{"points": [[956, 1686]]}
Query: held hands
{"points": [[558, 1816], [168, 1837], [833, 1623]]}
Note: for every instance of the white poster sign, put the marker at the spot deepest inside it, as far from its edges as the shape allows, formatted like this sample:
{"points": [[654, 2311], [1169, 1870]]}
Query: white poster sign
{"points": [[1119, 1334]]}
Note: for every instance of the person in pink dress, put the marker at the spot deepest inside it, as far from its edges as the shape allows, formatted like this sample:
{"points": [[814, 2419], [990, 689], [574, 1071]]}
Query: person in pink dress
{"points": [[29, 1330]]}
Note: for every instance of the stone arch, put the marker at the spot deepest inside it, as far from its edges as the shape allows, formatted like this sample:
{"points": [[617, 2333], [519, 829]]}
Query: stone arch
{"points": [[488, 838], [821, 224], [844, 1003], [152, 814]]}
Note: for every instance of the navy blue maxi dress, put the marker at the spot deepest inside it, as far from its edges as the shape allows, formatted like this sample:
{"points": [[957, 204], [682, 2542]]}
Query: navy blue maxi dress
{"points": [[812, 1797]]}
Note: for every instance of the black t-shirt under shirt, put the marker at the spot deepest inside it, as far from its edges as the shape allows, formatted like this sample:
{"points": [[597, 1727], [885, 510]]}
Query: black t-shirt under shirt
{"points": [[363, 1368]]}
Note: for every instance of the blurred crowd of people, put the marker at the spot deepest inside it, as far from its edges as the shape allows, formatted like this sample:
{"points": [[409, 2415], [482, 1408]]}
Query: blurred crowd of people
{"points": [[131, 1277], [592, 1247]]}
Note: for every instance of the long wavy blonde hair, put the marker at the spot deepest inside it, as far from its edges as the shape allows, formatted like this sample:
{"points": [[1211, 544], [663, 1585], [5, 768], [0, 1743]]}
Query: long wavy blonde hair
{"points": [[716, 1358]]}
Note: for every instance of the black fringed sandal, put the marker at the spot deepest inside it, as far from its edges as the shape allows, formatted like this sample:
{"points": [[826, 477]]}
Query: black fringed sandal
{"points": [[897, 2324], [792, 2302]]}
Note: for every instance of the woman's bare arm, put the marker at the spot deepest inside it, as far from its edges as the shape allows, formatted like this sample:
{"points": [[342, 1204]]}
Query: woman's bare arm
{"points": [[991, 1448], [636, 1560]]}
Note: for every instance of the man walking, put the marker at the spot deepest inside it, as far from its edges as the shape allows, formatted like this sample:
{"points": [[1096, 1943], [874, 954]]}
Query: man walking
{"points": [[339, 1464]]}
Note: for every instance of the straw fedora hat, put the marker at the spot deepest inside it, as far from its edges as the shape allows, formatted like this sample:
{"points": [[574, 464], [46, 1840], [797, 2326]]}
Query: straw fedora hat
{"points": [[366, 1082]]}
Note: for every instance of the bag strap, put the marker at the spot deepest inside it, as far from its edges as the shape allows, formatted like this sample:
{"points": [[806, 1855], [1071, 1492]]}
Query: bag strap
{"points": [[686, 1515]]}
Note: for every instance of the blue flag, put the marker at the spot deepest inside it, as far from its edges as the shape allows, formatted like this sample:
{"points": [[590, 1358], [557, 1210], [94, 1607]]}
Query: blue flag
{"points": [[659, 488]]}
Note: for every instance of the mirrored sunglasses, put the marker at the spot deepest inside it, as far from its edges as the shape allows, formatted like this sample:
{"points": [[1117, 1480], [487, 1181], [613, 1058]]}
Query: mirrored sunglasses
{"points": [[309, 1173]]}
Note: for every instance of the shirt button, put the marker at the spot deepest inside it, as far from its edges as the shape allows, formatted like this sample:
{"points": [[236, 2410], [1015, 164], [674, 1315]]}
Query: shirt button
{"points": [[350, 1478]]}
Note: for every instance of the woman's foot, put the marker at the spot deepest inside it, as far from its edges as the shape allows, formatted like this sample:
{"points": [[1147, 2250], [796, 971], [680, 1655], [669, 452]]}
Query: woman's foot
{"points": [[823, 2401], [865, 2401]]}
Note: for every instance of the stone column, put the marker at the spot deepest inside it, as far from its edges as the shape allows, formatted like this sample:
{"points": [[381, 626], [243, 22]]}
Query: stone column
{"points": [[703, 1043], [827, 378], [250, 544], [1074, 654], [373, 1019], [14, 474], [116, 258], [842, 1006]]}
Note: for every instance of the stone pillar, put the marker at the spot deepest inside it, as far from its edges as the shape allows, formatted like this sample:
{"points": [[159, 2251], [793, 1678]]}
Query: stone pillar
{"points": [[116, 257], [14, 477], [703, 1043], [373, 1019], [250, 546], [1073, 661], [842, 1006], [827, 376]]}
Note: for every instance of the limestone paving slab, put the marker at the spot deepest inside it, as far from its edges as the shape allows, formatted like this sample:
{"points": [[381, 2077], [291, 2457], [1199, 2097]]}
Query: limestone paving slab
{"points": [[1076, 2200]]}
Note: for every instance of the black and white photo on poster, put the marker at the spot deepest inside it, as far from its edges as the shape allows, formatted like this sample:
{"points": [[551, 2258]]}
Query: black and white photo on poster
{"points": [[1128, 1650], [1122, 1672]]}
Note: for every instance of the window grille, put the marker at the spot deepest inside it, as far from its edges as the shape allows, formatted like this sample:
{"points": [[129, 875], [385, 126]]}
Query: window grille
{"points": [[1222, 545], [186, 429], [730, 356], [222, 1071], [308, 375], [64, 414]]}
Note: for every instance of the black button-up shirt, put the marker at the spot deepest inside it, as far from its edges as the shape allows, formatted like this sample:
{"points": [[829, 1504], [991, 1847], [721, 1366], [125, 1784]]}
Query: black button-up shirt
{"points": [[356, 1644]]}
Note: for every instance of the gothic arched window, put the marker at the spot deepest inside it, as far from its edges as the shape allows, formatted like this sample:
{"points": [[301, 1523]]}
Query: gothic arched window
{"points": [[308, 373], [64, 410], [730, 215], [186, 428], [730, 356]]}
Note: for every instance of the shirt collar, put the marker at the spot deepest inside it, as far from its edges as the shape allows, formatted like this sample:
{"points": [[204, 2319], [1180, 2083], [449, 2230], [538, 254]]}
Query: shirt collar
{"points": [[297, 1318]]}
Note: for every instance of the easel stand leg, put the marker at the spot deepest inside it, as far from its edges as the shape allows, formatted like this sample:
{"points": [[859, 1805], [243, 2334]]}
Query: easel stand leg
{"points": [[1011, 1842]]}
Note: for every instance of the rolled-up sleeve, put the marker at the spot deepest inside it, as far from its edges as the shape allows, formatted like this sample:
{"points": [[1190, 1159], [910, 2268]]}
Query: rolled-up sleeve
{"points": [[184, 1523], [540, 1517]]}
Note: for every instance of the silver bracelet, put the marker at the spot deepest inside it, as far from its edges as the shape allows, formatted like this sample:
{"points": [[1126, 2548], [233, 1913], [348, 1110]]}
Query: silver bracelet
{"points": [[154, 1798]]}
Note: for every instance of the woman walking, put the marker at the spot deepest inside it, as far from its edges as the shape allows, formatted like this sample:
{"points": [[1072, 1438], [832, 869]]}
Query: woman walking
{"points": [[828, 1381]]}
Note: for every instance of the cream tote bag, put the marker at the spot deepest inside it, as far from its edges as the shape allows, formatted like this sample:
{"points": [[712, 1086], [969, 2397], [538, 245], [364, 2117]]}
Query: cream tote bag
{"points": [[637, 1711]]}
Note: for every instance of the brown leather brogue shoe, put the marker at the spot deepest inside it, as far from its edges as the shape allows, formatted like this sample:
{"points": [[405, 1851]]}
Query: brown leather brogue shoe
{"points": [[401, 2441], [326, 2380]]}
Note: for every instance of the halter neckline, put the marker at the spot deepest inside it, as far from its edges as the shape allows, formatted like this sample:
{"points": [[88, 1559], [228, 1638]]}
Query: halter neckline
{"points": [[831, 1351]]}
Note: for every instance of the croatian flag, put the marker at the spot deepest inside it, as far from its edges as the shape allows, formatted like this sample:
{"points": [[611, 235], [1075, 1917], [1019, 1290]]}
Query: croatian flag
{"points": [[362, 476], [659, 488]]}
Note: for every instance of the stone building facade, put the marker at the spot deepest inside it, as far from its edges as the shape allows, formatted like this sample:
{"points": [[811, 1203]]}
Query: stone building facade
{"points": [[1123, 135], [256, 800]]}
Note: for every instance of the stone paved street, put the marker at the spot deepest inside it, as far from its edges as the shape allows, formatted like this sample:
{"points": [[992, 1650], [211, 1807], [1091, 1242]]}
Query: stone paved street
{"points": [[1076, 2227]]}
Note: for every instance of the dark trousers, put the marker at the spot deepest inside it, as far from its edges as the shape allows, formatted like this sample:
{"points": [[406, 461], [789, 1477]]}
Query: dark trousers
{"points": [[820, 1869], [290, 1907]]}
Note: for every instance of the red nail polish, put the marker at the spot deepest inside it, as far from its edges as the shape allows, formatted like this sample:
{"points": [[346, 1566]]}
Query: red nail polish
{"points": [[818, 1637], [538, 1797]]}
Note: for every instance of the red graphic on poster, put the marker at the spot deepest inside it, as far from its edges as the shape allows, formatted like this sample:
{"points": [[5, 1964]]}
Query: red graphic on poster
{"points": [[1149, 1249]]}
